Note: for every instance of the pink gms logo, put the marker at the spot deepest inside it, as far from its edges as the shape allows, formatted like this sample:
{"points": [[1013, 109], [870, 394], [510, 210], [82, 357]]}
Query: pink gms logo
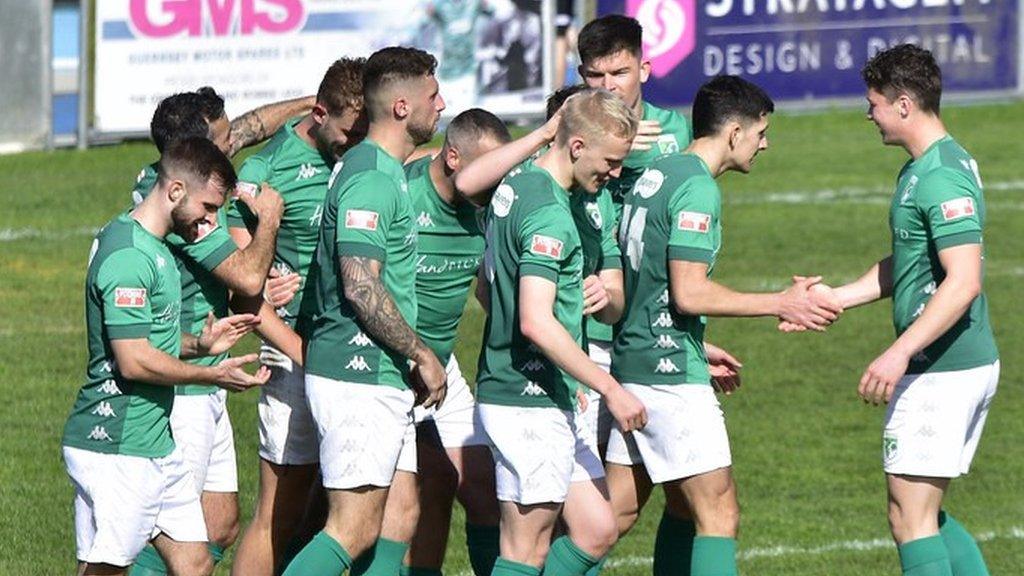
{"points": [[163, 18], [670, 31]]}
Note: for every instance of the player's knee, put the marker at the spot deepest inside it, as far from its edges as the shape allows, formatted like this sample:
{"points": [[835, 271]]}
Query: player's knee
{"points": [[599, 537], [225, 533], [625, 520], [193, 565]]}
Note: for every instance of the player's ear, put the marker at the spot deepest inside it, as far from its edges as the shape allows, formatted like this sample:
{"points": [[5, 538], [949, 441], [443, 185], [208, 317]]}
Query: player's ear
{"points": [[319, 113], [401, 108], [904, 105], [176, 191], [735, 130], [576, 147], [452, 158], [645, 70]]}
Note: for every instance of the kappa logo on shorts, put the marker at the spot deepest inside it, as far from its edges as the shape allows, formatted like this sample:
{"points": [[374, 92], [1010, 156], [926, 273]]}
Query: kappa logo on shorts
{"points": [[361, 219], [694, 221], [957, 208], [546, 246], [890, 448], [129, 297]]}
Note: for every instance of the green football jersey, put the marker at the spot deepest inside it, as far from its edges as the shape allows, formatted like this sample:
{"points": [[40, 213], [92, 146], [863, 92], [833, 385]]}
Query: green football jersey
{"points": [[595, 219], [367, 213], [457, 21], [938, 204], [450, 245], [132, 291], [299, 173], [675, 137], [201, 293], [672, 213], [530, 232]]}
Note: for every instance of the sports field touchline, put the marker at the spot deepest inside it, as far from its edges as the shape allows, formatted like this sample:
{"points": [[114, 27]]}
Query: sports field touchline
{"points": [[1012, 533]]}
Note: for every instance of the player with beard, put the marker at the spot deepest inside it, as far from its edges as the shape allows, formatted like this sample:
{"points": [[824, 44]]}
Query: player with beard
{"points": [[364, 356], [131, 482]]}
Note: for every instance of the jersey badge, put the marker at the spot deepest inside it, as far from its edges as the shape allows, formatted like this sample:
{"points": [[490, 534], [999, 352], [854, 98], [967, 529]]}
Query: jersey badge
{"points": [[649, 184], [667, 144], [908, 191], [129, 297], [594, 215], [502, 200], [248, 188], [694, 221], [361, 219], [546, 246], [958, 208]]}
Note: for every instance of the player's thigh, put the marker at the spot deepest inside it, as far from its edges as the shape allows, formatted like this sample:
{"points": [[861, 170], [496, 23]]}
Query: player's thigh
{"points": [[914, 504], [221, 469], [685, 433], [86, 569], [181, 513], [287, 432], [476, 483], [455, 420], [184, 558], [934, 421], [220, 509], [363, 429], [534, 452], [712, 499]]}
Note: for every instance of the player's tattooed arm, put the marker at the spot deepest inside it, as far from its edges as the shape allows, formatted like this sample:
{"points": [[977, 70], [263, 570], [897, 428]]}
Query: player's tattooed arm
{"points": [[379, 315], [375, 308], [259, 124]]}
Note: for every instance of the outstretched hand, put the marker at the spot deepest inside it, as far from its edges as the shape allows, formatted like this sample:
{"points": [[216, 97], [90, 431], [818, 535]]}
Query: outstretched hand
{"points": [[808, 304], [280, 289], [230, 375], [218, 336]]}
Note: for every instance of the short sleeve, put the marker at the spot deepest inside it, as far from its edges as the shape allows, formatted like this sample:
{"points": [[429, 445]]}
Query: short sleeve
{"points": [[611, 255], [124, 284], [949, 202], [213, 246], [693, 218], [367, 207], [254, 171], [545, 241]]}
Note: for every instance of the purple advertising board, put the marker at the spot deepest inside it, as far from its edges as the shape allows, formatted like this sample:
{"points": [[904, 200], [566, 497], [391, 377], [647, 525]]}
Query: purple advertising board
{"points": [[814, 49]]}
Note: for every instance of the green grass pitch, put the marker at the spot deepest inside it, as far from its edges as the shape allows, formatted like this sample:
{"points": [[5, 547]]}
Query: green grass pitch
{"points": [[806, 450]]}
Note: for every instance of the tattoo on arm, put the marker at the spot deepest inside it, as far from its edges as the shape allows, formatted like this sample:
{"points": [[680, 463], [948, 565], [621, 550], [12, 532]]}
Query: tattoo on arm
{"points": [[189, 346], [375, 308], [246, 130]]}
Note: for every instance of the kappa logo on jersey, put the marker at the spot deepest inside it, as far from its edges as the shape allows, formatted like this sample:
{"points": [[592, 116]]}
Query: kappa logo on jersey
{"points": [[533, 389], [318, 215], [534, 365], [105, 410], [107, 367], [129, 297], [502, 200], [99, 433], [663, 299], [665, 342], [361, 219], [546, 246], [694, 221], [649, 184], [307, 171], [594, 214], [358, 363], [361, 340], [666, 366], [958, 208], [664, 321], [930, 288], [160, 262], [334, 174], [424, 220], [110, 387], [919, 311]]}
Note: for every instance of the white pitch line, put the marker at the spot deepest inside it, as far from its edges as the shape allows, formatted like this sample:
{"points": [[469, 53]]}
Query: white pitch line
{"points": [[14, 234], [1013, 533]]}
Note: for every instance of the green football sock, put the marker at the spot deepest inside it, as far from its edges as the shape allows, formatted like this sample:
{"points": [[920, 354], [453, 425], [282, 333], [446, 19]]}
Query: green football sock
{"points": [[566, 559], [413, 571], [597, 567], [484, 545], [964, 555], [217, 551], [384, 559], [673, 546], [503, 567], [925, 557], [713, 556], [323, 556], [148, 563]]}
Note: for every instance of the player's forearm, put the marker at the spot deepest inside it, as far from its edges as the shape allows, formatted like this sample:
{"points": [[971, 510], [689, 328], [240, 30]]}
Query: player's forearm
{"points": [[612, 312], [476, 180], [259, 124], [376, 309], [704, 297], [277, 332], [558, 346], [245, 270], [951, 300], [143, 363], [874, 285]]}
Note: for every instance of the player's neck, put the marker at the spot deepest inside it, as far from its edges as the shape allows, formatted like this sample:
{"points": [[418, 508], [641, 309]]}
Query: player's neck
{"points": [[306, 130], [712, 152], [557, 163], [441, 179], [152, 216], [926, 131], [393, 138]]}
